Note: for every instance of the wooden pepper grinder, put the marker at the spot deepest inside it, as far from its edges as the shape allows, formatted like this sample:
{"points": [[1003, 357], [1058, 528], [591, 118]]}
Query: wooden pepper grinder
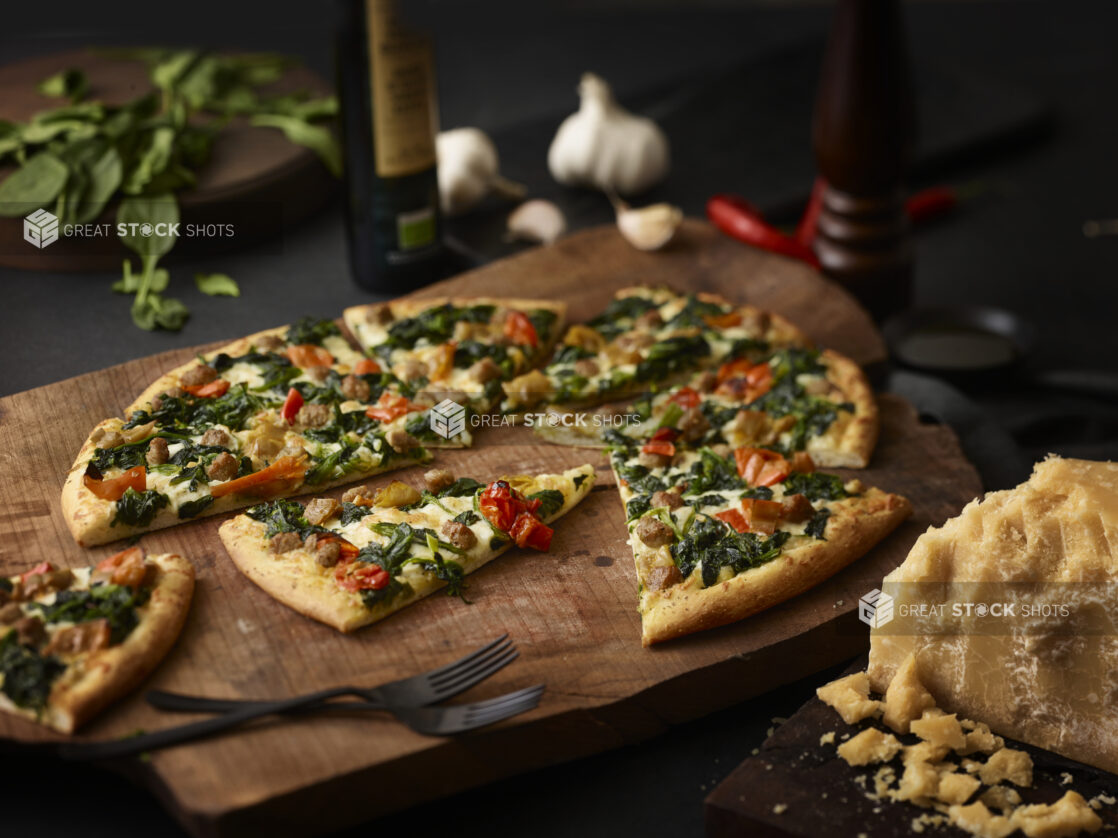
{"points": [[862, 134]]}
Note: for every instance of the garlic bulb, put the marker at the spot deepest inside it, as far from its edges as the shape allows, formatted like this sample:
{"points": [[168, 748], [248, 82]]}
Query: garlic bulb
{"points": [[537, 221], [468, 170], [604, 145], [648, 228]]}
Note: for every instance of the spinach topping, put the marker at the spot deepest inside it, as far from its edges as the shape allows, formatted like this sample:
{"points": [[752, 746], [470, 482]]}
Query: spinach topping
{"points": [[637, 506], [815, 486], [712, 473], [115, 603], [354, 421], [469, 518], [28, 676], [758, 492], [435, 325], [126, 456], [393, 556], [551, 501], [639, 478], [332, 466], [277, 370], [469, 352], [570, 354], [712, 545], [542, 320], [352, 512], [571, 385], [818, 524], [619, 315], [283, 515], [460, 488], [694, 311], [194, 508], [672, 355], [233, 410], [311, 330], [787, 397], [138, 509], [579, 479]]}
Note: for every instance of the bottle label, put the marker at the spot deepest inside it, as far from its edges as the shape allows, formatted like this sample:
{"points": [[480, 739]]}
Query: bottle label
{"points": [[415, 229], [403, 91]]}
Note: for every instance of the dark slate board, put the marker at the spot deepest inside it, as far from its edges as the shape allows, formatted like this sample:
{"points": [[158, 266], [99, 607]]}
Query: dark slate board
{"points": [[794, 769]]}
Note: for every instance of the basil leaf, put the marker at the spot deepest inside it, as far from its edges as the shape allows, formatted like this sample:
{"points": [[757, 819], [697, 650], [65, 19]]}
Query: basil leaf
{"points": [[35, 184], [318, 138], [70, 84], [217, 285]]}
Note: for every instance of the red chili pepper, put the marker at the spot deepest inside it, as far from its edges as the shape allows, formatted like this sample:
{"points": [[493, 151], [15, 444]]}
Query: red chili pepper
{"points": [[659, 446], [738, 219], [668, 434], [931, 203], [291, 405], [805, 230]]}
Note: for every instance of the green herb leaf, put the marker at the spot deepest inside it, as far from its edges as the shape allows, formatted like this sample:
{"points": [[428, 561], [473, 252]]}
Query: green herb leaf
{"points": [[71, 84], [318, 138], [35, 184], [217, 285]]}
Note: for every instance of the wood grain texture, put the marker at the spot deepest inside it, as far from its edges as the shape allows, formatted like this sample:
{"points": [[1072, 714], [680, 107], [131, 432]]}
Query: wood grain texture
{"points": [[572, 612], [822, 798], [255, 178]]}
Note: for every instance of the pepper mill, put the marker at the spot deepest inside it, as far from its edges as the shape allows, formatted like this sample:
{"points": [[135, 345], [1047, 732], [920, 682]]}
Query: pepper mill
{"points": [[862, 134]]}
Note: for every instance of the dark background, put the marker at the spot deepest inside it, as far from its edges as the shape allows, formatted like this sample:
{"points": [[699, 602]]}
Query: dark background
{"points": [[512, 68]]}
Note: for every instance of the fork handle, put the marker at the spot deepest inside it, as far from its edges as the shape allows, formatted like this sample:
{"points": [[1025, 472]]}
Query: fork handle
{"points": [[180, 703], [193, 730]]}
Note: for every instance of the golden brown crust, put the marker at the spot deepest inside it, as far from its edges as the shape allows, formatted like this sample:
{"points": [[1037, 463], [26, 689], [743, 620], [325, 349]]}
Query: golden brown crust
{"points": [[93, 683], [851, 531], [849, 443]]}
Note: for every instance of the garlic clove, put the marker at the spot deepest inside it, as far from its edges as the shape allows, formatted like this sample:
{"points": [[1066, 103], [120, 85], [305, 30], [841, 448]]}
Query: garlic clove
{"points": [[648, 228], [537, 221]]}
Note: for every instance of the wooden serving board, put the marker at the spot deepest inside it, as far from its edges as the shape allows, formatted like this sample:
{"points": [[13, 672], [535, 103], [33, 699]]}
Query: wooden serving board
{"points": [[571, 612], [255, 180], [817, 793]]}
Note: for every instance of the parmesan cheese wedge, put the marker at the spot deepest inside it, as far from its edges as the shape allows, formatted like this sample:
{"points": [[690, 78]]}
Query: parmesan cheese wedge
{"points": [[1048, 681]]}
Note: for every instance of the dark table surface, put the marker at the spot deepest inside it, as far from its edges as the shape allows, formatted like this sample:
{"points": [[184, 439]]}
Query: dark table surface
{"points": [[504, 66]]}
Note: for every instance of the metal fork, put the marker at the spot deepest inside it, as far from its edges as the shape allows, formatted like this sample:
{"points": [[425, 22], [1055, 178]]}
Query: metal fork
{"points": [[417, 691], [430, 721]]}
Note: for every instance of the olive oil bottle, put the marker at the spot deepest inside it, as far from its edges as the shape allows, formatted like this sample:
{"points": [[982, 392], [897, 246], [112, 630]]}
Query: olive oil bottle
{"points": [[386, 85]]}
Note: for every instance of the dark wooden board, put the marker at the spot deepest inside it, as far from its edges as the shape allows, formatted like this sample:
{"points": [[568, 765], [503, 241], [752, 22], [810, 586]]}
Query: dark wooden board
{"points": [[572, 612], [822, 796], [255, 179]]}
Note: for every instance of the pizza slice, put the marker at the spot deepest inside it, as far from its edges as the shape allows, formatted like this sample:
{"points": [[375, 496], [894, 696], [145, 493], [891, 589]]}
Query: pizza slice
{"points": [[717, 538], [645, 337], [351, 563], [461, 349], [793, 400], [281, 412], [74, 641]]}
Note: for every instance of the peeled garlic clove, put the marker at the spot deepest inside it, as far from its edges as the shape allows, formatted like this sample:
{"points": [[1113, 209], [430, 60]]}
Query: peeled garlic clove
{"points": [[651, 227], [537, 221]]}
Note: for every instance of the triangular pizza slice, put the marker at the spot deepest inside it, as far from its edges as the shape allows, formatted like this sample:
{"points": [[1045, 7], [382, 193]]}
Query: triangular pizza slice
{"points": [[351, 563]]}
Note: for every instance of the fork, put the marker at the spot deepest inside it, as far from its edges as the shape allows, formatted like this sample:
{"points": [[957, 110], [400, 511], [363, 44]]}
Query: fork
{"points": [[429, 721], [417, 691]]}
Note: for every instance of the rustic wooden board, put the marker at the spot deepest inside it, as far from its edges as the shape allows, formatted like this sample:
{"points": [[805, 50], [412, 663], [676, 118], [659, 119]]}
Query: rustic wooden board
{"points": [[255, 179], [822, 797], [572, 612]]}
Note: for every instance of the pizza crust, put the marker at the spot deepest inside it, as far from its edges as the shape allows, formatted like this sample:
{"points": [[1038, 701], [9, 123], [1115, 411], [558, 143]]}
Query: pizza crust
{"points": [[93, 683], [851, 531], [293, 578], [850, 441]]}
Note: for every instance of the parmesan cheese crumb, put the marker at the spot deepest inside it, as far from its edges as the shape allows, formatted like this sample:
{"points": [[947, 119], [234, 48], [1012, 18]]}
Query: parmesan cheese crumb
{"points": [[780, 808], [827, 738], [870, 746], [849, 696]]}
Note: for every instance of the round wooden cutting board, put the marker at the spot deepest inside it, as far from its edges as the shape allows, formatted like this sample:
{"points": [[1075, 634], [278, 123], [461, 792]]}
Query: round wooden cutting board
{"points": [[256, 180], [572, 612]]}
